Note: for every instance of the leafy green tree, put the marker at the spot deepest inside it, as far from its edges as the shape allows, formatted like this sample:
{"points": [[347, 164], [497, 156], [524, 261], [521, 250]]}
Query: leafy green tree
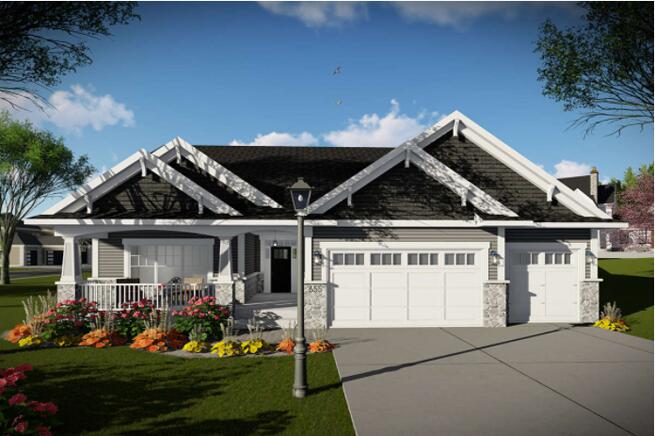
{"points": [[34, 165], [42, 41], [604, 68]]}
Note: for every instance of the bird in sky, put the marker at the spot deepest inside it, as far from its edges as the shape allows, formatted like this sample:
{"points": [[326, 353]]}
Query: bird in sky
{"points": [[337, 70], [339, 102]]}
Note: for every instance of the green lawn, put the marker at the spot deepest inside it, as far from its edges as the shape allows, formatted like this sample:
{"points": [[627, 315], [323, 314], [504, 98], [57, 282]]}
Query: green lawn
{"points": [[123, 391], [629, 282]]}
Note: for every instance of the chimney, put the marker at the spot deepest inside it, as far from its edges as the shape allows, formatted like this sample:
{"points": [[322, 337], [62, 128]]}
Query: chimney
{"points": [[593, 181]]}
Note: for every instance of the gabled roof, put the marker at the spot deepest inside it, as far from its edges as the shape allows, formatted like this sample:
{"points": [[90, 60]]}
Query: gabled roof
{"points": [[583, 183], [454, 160]]}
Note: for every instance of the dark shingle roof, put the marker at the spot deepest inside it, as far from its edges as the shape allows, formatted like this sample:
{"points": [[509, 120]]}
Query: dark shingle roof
{"points": [[606, 194], [582, 183], [401, 193]]}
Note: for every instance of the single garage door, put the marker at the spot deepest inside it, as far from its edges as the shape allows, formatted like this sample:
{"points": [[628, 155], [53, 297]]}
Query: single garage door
{"points": [[384, 288], [544, 282]]}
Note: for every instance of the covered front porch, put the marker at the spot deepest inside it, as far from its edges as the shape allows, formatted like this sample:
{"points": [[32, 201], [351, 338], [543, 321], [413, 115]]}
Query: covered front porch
{"points": [[254, 267]]}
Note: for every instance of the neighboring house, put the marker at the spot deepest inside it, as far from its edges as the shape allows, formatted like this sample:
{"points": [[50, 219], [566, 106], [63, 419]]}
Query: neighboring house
{"points": [[33, 246], [451, 228], [605, 197]]}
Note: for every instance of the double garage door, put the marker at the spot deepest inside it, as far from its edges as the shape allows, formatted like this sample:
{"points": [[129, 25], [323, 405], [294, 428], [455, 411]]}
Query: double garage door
{"points": [[406, 287]]}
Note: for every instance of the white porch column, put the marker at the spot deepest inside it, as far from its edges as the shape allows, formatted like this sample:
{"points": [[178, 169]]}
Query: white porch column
{"points": [[502, 262], [225, 261], [71, 271], [241, 251]]}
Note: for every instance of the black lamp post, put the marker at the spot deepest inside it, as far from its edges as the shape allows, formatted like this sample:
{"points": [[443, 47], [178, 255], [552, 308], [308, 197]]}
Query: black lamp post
{"points": [[300, 194]]}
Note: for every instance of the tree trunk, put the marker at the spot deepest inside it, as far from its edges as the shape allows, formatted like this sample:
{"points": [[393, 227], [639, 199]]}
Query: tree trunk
{"points": [[4, 274]]}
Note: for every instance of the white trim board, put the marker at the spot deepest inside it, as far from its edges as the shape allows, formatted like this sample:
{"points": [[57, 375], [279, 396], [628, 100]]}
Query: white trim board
{"points": [[139, 161], [462, 125], [108, 224]]}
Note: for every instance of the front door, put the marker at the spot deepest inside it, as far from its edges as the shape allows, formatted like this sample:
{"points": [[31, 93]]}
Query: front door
{"points": [[280, 269], [33, 259]]}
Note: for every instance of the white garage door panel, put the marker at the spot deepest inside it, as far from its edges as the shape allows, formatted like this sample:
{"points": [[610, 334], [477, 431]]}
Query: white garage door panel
{"points": [[368, 295], [544, 282]]}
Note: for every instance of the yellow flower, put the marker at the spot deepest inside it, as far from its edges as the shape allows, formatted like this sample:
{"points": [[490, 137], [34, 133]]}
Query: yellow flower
{"points": [[226, 348], [253, 346], [30, 341], [195, 347]]}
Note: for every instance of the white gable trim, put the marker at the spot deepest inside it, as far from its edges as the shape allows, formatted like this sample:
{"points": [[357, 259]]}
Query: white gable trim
{"points": [[138, 162], [179, 148], [458, 184], [462, 125], [379, 167]]}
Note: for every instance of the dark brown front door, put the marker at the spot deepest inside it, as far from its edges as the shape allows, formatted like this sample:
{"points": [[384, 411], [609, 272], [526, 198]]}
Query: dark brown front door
{"points": [[281, 269]]}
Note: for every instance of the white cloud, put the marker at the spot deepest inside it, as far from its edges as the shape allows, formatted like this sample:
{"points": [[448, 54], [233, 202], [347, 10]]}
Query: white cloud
{"points": [[281, 138], [318, 14], [373, 130], [569, 168], [76, 109], [454, 14]]}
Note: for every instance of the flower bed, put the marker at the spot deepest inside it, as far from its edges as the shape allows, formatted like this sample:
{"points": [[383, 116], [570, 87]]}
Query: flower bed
{"points": [[158, 340], [202, 318], [17, 414]]}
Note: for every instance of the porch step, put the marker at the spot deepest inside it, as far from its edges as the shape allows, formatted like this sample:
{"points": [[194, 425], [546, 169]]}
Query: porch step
{"points": [[274, 311]]}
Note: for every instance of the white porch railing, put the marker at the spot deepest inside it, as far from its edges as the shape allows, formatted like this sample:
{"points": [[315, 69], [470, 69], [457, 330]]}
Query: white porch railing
{"points": [[111, 296]]}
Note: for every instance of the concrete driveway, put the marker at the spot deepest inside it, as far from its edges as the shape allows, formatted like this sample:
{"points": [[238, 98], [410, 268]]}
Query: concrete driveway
{"points": [[540, 379]]}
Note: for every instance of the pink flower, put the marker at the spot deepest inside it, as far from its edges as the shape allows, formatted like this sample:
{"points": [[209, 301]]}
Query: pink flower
{"points": [[20, 427], [43, 431], [51, 408], [17, 399]]}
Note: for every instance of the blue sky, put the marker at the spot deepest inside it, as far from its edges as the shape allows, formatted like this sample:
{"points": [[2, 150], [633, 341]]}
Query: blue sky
{"points": [[220, 73]]}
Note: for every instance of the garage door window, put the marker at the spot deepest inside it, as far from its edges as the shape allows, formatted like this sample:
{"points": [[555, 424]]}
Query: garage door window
{"points": [[386, 259], [348, 259], [459, 258], [422, 259], [558, 258]]}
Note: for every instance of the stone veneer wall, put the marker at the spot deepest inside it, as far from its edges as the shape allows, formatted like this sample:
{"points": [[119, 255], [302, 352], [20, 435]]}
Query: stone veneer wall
{"points": [[589, 301], [494, 304], [223, 293], [66, 292], [254, 284], [316, 305]]}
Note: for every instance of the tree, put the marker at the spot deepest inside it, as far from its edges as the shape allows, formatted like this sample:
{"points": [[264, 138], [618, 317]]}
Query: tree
{"points": [[603, 68], [34, 165], [42, 41], [637, 203]]}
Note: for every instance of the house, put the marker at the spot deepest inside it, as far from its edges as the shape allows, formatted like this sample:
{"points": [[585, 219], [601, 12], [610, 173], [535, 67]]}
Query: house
{"points": [[36, 246], [451, 228], [632, 238]]}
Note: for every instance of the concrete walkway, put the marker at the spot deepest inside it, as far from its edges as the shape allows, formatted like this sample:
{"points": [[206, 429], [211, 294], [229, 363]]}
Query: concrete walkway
{"points": [[533, 380]]}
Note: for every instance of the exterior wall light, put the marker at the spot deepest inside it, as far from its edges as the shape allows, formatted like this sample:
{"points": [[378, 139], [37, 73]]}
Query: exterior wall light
{"points": [[495, 257], [318, 257], [589, 257]]}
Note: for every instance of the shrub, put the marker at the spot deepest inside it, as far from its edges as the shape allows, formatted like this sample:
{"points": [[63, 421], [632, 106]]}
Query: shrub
{"points": [[17, 414], [203, 316], [71, 318], [287, 343], [255, 343], [319, 343], [196, 347], [132, 318], [611, 319], [35, 310], [103, 334]]}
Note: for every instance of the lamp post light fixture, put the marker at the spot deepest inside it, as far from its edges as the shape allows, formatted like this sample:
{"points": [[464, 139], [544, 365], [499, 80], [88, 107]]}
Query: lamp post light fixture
{"points": [[300, 195]]}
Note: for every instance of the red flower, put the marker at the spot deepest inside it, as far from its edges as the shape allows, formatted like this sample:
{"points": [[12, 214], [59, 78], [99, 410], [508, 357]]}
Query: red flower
{"points": [[17, 399], [21, 427], [51, 408], [43, 431]]}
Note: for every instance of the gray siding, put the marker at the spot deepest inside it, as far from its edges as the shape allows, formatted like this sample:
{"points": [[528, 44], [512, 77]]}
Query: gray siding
{"points": [[110, 250], [406, 235], [551, 235], [110, 257], [252, 253]]}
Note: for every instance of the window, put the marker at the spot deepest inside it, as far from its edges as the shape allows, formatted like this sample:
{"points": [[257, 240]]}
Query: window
{"points": [[385, 259], [558, 258], [348, 259], [422, 258], [549, 258], [459, 259]]}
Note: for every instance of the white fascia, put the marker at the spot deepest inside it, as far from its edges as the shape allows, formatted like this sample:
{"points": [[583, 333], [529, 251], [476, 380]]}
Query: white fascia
{"points": [[179, 148], [134, 164], [379, 167], [458, 184], [575, 201], [319, 223], [462, 125], [186, 185]]}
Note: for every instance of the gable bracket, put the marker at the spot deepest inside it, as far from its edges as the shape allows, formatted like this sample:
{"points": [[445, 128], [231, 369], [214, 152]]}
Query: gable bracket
{"points": [[144, 170], [552, 190]]}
